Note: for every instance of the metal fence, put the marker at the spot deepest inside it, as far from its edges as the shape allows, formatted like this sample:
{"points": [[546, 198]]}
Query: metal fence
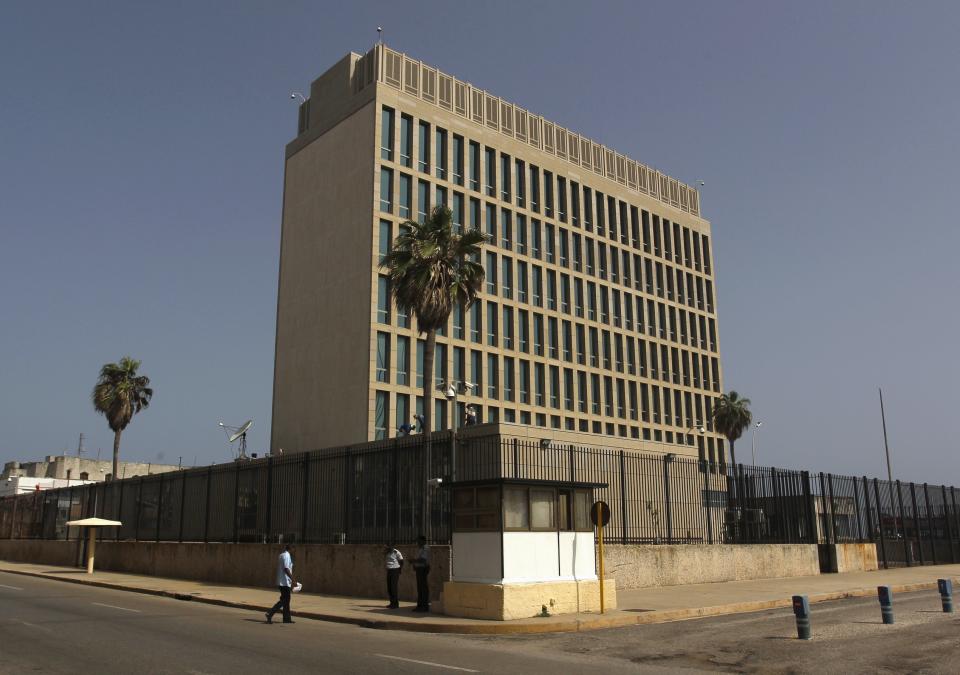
{"points": [[378, 492]]}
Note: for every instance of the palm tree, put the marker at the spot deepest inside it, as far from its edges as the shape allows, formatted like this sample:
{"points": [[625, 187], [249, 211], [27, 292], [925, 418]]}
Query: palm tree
{"points": [[432, 269], [731, 417], [118, 395]]}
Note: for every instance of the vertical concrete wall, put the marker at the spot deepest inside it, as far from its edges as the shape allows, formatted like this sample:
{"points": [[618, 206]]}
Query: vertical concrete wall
{"points": [[351, 569], [848, 557], [666, 565]]}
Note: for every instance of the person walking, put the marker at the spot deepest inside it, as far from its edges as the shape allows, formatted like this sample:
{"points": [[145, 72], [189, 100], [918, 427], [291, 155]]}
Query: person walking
{"points": [[394, 563], [285, 583], [421, 565]]}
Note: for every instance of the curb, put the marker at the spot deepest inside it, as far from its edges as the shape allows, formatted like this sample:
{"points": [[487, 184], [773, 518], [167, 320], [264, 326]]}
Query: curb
{"points": [[573, 625]]}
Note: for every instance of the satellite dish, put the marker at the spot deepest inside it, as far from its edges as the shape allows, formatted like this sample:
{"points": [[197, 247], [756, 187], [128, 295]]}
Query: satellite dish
{"points": [[242, 431], [234, 433]]}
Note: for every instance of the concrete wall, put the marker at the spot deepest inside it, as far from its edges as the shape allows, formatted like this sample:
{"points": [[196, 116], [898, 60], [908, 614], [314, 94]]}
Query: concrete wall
{"points": [[351, 569], [848, 557], [665, 565]]}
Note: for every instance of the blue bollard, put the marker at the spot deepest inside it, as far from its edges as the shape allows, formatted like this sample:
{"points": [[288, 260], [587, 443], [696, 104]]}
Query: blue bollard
{"points": [[945, 586], [886, 603], [801, 609]]}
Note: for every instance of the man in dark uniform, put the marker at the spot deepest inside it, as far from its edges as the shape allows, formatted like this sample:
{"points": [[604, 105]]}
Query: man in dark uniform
{"points": [[421, 565]]}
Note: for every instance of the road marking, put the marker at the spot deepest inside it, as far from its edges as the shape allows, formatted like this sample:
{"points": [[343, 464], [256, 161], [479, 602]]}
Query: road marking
{"points": [[12, 588], [426, 663], [33, 625], [125, 609]]}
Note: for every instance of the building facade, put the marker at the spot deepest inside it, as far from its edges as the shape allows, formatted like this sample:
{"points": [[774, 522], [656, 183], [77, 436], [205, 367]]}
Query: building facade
{"points": [[598, 314], [76, 469]]}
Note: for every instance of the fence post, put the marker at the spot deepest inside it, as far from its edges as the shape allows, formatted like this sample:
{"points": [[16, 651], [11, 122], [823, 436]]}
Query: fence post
{"points": [[707, 501], [811, 508], [866, 504], [136, 532], [825, 507], [956, 512], [666, 498], [833, 509], [946, 523], [516, 458], [206, 510], [119, 509], [573, 470], [883, 537], [902, 531], [933, 542], [236, 499], [306, 497], [856, 508], [183, 500], [348, 475], [916, 521], [623, 499], [159, 505], [269, 523]]}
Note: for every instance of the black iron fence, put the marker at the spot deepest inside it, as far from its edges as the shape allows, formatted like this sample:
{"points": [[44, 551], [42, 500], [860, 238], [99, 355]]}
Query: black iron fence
{"points": [[378, 492]]}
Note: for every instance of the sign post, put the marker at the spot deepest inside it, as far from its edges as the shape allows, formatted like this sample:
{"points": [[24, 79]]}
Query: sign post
{"points": [[600, 515]]}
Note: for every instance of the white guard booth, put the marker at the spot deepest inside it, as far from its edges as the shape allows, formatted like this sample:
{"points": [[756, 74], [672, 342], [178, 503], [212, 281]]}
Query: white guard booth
{"points": [[523, 548]]}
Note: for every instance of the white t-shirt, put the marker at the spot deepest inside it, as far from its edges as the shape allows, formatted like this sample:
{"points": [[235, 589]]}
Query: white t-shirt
{"points": [[393, 559], [284, 561]]}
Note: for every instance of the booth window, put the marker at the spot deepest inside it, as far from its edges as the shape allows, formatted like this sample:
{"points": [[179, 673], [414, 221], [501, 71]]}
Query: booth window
{"points": [[476, 509], [573, 511], [516, 510]]}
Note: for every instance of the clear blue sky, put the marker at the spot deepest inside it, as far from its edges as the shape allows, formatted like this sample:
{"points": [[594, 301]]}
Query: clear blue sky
{"points": [[141, 159]]}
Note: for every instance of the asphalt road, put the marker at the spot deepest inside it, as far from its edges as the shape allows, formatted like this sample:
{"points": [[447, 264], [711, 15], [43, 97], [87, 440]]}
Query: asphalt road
{"points": [[52, 627]]}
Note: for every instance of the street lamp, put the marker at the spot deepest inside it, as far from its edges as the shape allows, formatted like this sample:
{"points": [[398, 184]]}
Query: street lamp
{"points": [[753, 442], [452, 392]]}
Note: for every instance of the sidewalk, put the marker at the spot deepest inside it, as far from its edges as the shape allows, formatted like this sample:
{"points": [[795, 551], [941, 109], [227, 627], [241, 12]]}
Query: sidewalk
{"points": [[637, 606]]}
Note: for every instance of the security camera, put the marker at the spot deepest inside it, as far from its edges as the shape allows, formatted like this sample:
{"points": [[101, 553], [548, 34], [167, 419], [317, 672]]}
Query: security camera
{"points": [[435, 482], [293, 95]]}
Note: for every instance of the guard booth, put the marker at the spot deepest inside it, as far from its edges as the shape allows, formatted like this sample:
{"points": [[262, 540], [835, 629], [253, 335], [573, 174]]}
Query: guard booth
{"points": [[522, 546]]}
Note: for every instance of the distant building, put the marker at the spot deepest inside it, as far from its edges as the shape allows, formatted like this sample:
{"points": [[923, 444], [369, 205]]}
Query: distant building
{"points": [[70, 468], [20, 485]]}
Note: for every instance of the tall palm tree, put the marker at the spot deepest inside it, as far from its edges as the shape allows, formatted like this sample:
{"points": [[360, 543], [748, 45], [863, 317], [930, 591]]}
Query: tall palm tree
{"points": [[731, 417], [432, 269], [119, 394]]}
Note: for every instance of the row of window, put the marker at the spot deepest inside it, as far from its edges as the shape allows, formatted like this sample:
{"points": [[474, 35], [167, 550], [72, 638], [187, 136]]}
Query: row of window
{"points": [[543, 241], [597, 349], [518, 380], [496, 175], [521, 330], [387, 418]]}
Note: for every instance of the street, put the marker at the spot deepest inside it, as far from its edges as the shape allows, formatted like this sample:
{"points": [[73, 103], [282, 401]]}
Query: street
{"points": [[53, 627]]}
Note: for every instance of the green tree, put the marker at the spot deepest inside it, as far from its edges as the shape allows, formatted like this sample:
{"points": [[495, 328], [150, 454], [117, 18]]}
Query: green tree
{"points": [[731, 417], [432, 269], [119, 394]]}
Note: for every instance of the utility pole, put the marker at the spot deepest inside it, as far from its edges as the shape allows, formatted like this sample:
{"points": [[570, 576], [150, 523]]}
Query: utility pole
{"points": [[886, 446]]}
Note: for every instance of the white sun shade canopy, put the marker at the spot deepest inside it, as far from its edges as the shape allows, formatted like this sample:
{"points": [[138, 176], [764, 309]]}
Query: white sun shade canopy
{"points": [[94, 522]]}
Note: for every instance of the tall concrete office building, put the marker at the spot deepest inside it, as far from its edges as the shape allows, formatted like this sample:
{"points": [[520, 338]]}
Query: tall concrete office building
{"points": [[598, 314]]}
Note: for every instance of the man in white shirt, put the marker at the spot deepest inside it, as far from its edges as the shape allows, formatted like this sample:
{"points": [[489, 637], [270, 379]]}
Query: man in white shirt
{"points": [[285, 583], [394, 562]]}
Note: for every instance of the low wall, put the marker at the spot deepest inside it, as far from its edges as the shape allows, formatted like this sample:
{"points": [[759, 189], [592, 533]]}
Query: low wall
{"points": [[673, 565], [849, 557], [337, 569]]}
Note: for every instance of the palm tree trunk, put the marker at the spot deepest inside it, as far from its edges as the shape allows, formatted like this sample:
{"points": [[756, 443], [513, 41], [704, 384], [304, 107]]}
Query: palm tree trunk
{"points": [[116, 452], [733, 455], [428, 377]]}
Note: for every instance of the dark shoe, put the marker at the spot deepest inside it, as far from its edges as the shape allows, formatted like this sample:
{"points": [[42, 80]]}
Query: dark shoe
{"points": [[269, 617], [393, 606]]}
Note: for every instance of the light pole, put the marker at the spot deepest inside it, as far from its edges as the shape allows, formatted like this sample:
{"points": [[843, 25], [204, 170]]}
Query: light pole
{"points": [[753, 442], [453, 391]]}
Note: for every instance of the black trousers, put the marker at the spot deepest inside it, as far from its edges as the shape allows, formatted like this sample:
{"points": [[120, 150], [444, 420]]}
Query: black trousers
{"points": [[393, 581], [423, 588], [283, 603]]}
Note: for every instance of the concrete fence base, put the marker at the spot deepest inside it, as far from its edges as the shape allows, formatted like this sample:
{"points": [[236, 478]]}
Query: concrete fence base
{"points": [[674, 565], [355, 570]]}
